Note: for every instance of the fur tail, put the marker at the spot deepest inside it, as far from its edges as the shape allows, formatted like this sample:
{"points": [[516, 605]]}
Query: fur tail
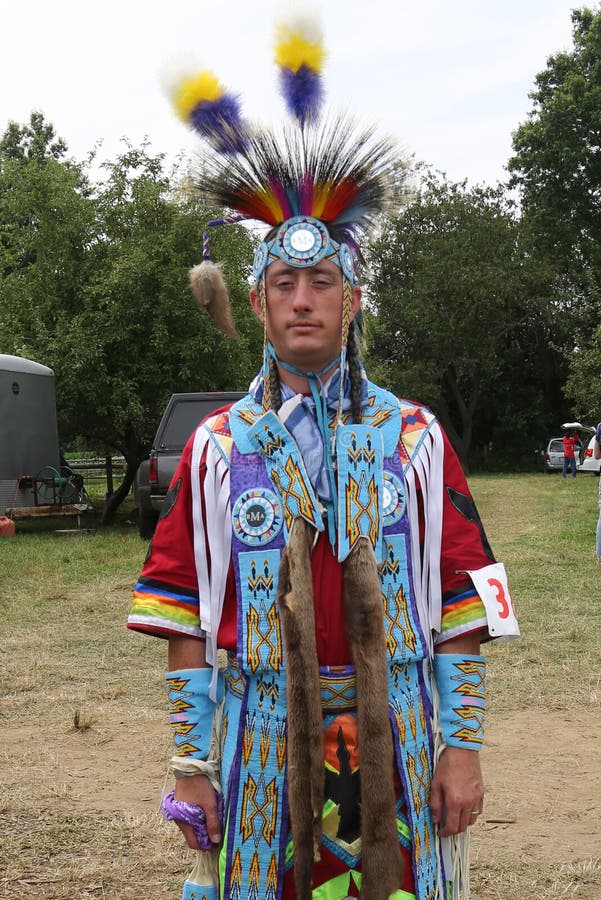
{"points": [[305, 728], [210, 291], [381, 864]]}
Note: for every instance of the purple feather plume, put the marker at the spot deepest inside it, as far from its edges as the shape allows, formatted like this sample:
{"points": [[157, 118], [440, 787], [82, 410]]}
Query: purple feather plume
{"points": [[303, 93], [219, 122]]}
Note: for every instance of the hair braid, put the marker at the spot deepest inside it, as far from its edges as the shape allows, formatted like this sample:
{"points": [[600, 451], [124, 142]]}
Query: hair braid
{"points": [[275, 388], [272, 389], [354, 369]]}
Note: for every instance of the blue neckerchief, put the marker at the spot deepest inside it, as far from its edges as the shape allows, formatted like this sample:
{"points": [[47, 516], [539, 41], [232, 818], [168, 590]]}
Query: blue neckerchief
{"points": [[307, 418]]}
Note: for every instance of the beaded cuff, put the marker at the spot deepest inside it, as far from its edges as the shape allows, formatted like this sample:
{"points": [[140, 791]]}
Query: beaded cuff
{"points": [[191, 710], [462, 701]]}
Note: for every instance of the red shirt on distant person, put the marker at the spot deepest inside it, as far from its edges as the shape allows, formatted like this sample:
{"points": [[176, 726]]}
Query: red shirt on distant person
{"points": [[569, 442]]}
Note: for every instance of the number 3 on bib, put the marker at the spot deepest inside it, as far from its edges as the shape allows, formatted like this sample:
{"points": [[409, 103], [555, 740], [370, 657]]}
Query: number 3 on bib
{"points": [[491, 584]]}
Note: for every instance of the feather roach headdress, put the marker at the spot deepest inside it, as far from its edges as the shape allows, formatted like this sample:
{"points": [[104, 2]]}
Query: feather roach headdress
{"points": [[319, 174]]}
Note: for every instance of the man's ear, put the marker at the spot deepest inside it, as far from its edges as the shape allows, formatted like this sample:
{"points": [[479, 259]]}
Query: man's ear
{"points": [[255, 302]]}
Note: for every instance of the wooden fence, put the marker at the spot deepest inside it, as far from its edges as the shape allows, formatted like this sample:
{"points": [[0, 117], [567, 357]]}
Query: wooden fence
{"points": [[99, 473]]}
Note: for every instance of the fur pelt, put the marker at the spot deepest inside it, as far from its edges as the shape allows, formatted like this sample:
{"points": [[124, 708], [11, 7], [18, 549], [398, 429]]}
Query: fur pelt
{"points": [[304, 728], [210, 292], [381, 863]]}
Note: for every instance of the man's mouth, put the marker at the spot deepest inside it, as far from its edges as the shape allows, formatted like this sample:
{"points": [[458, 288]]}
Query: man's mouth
{"points": [[302, 325]]}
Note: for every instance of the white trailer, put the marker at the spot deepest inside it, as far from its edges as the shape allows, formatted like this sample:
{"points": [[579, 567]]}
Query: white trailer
{"points": [[30, 471]]}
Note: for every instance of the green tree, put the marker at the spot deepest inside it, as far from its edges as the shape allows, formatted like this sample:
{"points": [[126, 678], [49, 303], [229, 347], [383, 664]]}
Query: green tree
{"points": [[94, 284], [36, 140], [557, 161], [583, 385], [557, 168], [141, 336], [46, 224], [459, 314]]}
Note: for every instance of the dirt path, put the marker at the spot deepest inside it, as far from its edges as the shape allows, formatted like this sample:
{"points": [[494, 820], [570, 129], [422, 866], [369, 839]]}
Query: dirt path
{"points": [[543, 774], [539, 837]]}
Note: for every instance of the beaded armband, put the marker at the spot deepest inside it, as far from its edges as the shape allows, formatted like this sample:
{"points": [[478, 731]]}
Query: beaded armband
{"points": [[462, 701], [191, 710]]}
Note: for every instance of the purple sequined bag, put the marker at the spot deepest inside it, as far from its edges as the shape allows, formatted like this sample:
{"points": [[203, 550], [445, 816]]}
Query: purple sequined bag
{"points": [[179, 811]]}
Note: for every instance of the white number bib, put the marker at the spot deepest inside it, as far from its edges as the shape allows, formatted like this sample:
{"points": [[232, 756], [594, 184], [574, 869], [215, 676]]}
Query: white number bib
{"points": [[491, 584]]}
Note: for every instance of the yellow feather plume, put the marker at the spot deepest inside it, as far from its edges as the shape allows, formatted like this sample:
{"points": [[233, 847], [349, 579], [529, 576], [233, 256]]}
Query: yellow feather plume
{"points": [[203, 86], [298, 41]]}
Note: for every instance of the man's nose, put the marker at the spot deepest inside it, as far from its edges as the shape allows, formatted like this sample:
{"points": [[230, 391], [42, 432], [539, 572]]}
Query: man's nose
{"points": [[303, 297]]}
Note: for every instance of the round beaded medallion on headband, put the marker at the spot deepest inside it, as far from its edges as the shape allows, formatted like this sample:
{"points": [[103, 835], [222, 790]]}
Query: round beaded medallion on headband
{"points": [[302, 241]]}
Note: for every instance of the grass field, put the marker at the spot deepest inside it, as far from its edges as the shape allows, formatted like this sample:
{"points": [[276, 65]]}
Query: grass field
{"points": [[83, 739]]}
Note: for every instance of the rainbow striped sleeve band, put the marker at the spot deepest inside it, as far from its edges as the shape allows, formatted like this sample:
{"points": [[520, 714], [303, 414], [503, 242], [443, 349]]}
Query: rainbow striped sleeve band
{"points": [[462, 612], [160, 608]]}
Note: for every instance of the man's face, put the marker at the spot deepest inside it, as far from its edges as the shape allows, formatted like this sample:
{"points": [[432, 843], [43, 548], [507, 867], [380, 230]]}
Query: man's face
{"points": [[304, 313]]}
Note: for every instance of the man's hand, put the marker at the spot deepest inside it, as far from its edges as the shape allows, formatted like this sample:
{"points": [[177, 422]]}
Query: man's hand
{"points": [[457, 790], [198, 789]]}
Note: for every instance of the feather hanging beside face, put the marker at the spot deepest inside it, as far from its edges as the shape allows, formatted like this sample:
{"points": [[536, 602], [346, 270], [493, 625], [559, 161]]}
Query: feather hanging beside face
{"points": [[210, 292]]}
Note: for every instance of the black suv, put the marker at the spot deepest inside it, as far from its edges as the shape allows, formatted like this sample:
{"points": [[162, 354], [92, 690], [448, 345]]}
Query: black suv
{"points": [[182, 415]]}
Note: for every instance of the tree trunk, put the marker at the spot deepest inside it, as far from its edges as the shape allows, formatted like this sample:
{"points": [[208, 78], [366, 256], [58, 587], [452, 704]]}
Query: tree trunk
{"points": [[113, 501], [461, 442]]}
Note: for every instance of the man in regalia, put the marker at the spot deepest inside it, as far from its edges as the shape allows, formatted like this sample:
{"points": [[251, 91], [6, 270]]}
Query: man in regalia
{"points": [[320, 571]]}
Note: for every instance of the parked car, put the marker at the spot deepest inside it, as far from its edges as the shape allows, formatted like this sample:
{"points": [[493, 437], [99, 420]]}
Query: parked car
{"points": [[587, 461], [553, 457], [182, 414]]}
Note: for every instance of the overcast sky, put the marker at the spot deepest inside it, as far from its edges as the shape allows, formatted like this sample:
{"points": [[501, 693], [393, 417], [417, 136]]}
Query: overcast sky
{"points": [[449, 78]]}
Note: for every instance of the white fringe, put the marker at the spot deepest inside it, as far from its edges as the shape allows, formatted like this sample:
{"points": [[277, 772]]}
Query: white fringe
{"points": [[426, 469], [454, 851], [427, 466], [218, 536]]}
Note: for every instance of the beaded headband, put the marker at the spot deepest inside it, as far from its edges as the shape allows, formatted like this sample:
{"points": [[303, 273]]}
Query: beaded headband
{"points": [[302, 242]]}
